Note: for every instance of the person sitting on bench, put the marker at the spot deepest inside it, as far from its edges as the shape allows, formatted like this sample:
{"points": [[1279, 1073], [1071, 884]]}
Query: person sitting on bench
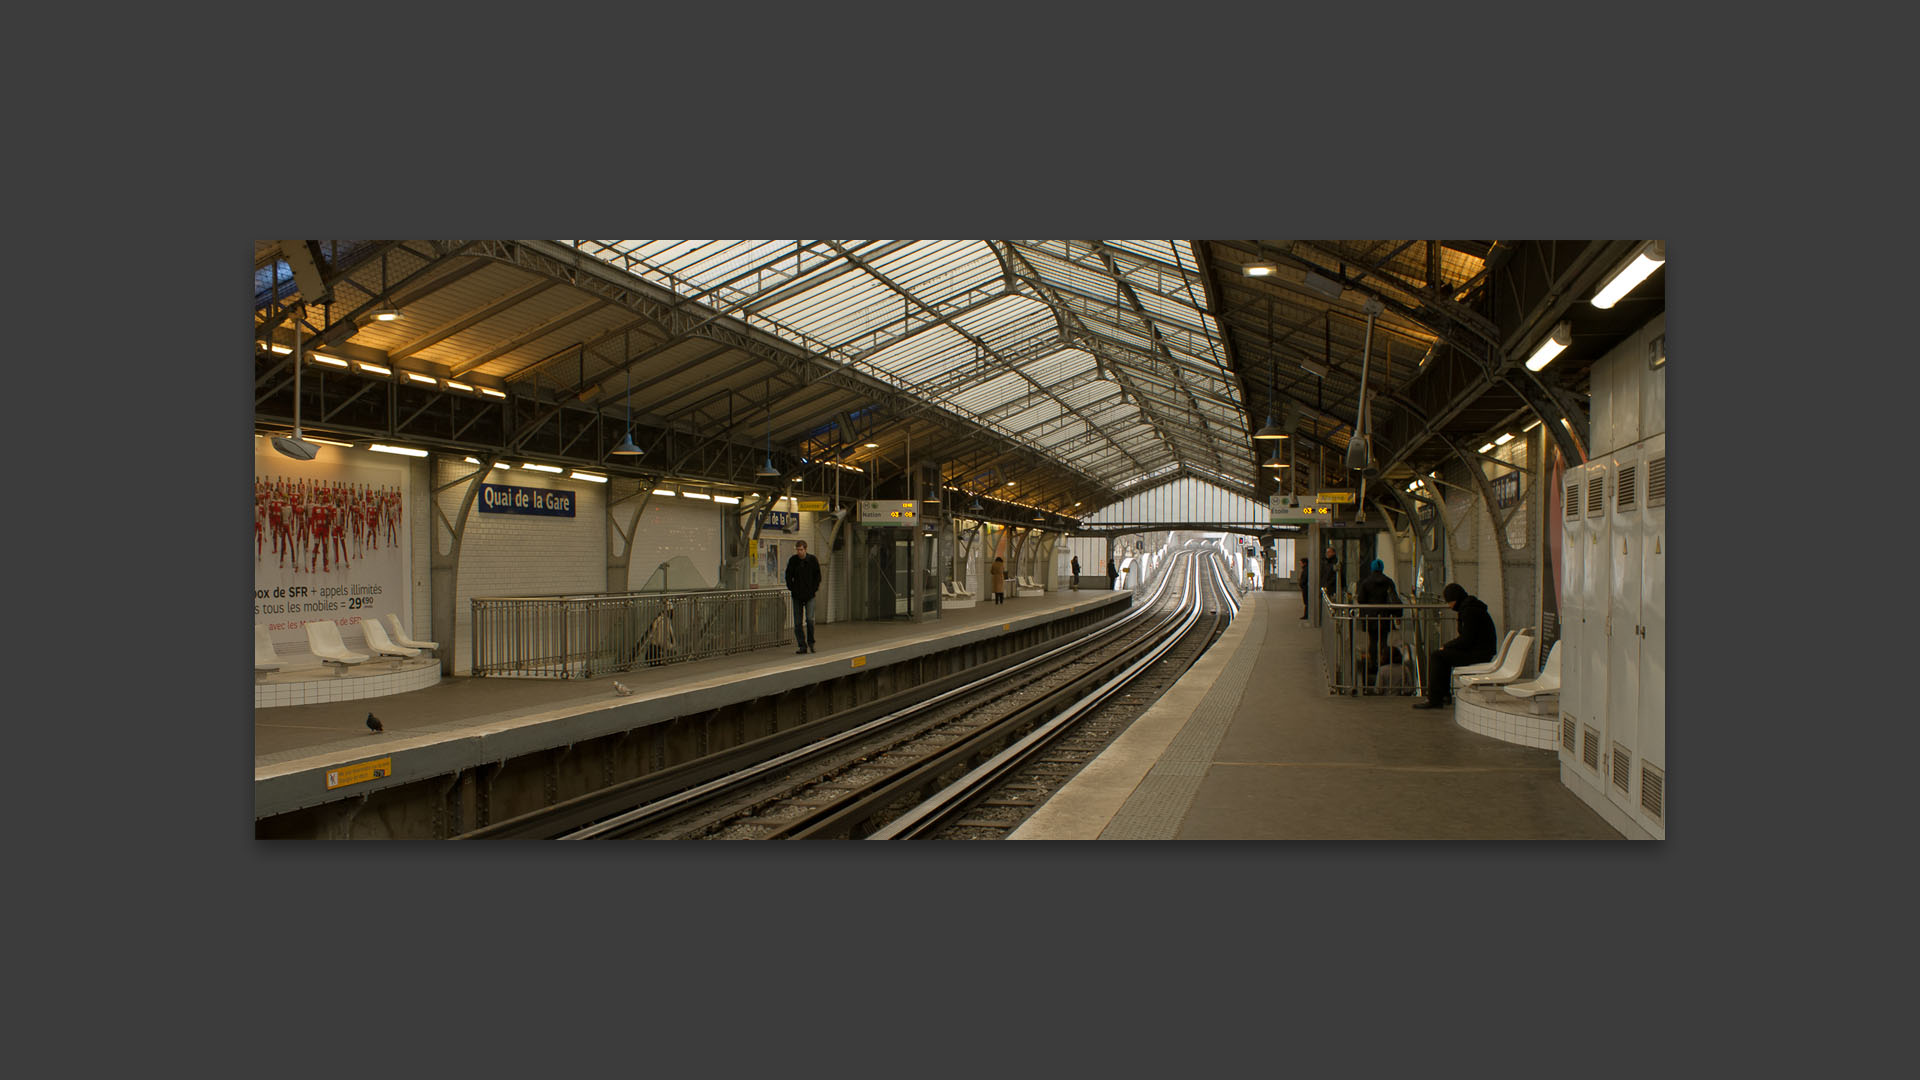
{"points": [[1474, 645]]}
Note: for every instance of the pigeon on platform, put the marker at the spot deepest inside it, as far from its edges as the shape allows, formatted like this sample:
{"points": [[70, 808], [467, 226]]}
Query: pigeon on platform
{"points": [[622, 689], [374, 724]]}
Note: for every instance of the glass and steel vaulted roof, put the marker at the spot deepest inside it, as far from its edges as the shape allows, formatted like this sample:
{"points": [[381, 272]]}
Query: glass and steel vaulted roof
{"points": [[1100, 354]]}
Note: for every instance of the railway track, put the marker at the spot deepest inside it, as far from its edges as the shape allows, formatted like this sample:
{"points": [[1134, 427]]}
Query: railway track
{"points": [[961, 758]]}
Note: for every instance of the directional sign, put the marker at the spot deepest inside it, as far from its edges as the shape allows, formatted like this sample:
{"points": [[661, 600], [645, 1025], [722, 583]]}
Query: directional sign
{"points": [[887, 512], [359, 773]]}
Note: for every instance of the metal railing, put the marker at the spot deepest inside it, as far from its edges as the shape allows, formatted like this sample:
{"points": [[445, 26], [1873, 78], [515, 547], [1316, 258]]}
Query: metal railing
{"points": [[580, 637], [1348, 633]]}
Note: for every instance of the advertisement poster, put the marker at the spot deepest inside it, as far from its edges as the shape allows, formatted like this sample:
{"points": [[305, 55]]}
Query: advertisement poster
{"points": [[330, 541]]}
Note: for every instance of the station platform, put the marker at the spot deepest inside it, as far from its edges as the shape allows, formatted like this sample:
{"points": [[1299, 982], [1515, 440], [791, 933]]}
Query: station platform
{"points": [[313, 753], [1250, 746]]}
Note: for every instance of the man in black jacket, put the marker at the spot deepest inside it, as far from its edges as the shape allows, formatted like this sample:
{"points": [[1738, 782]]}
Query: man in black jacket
{"points": [[1475, 645], [803, 580]]}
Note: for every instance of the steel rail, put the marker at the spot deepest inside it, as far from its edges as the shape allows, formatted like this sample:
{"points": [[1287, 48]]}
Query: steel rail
{"points": [[630, 805], [949, 802]]}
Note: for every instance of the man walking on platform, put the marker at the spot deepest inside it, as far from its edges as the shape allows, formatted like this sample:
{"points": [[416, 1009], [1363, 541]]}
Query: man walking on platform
{"points": [[1306, 598], [803, 580], [1076, 571], [1475, 644]]}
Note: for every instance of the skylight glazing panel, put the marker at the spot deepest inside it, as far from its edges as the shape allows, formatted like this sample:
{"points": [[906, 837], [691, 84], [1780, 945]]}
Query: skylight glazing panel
{"points": [[933, 269], [1178, 253], [1059, 367], [985, 396], [842, 313]]}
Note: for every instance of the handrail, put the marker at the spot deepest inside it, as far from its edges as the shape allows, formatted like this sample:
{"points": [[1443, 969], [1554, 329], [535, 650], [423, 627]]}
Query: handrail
{"points": [[1414, 627], [583, 635]]}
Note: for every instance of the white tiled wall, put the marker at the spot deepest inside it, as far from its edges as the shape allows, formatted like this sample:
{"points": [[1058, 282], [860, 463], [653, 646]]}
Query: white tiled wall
{"points": [[1497, 722], [671, 526], [514, 555], [325, 686]]}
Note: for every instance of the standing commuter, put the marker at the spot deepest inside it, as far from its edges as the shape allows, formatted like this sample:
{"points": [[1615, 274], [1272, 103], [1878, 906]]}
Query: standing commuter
{"points": [[803, 581], [1113, 573], [1475, 644], [1306, 598], [1076, 571], [1332, 580], [1376, 588], [999, 576]]}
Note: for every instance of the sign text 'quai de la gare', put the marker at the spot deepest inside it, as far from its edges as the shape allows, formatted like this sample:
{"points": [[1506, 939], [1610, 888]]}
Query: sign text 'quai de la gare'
{"points": [[513, 499]]}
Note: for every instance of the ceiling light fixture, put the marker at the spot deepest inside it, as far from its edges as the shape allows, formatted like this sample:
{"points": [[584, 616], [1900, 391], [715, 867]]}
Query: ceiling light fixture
{"points": [[325, 442], [428, 379], [386, 312], [1259, 269], [375, 368], [294, 446], [453, 384], [491, 392], [1555, 344], [539, 468], [766, 468], [696, 495], [665, 491], [328, 360], [406, 451], [1504, 439], [1650, 257], [587, 476], [730, 500], [626, 448], [1485, 448]]}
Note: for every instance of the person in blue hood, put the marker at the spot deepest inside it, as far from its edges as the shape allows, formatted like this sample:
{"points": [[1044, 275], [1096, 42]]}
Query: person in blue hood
{"points": [[1475, 644], [1376, 588]]}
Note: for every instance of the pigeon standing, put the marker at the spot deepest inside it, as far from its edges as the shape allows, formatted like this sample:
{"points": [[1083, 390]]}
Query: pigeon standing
{"points": [[622, 688], [373, 723]]}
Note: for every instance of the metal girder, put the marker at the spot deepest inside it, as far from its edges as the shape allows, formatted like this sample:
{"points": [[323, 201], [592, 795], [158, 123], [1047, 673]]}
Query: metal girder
{"points": [[477, 317], [591, 274], [558, 322]]}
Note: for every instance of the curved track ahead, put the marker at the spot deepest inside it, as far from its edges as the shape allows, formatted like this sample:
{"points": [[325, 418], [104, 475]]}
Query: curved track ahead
{"points": [[967, 756]]}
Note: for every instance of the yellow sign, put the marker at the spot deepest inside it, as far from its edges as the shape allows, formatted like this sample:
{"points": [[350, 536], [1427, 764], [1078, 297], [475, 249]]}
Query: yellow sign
{"points": [[1334, 496], [818, 506], [359, 773], [859, 661]]}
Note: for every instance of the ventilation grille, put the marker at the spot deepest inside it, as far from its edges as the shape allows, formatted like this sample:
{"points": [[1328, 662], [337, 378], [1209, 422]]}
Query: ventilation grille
{"points": [[1573, 500], [1653, 792], [1628, 482], [1590, 748], [1567, 733], [1596, 496], [1657, 481], [1622, 768]]}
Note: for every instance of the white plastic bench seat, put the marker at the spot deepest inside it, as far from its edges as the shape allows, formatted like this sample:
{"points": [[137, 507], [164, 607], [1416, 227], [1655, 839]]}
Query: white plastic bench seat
{"points": [[378, 641], [1499, 657], [399, 635], [1509, 668], [323, 638], [264, 658], [1547, 682]]}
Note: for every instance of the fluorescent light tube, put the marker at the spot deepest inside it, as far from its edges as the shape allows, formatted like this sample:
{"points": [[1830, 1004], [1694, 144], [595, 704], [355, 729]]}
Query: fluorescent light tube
{"points": [[577, 475], [491, 392], [327, 442], [1555, 344], [329, 360], [696, 495], [407, 451], [1504, 439], [1486, 447], [1260, 269], [730, 500], [451, 384], [664, 491], [539, 468], [1651, 256], [428, 379], [375, 368]]}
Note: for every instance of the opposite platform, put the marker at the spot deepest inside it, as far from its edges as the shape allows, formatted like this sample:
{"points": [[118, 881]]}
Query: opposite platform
{"points": [[302, 752], [1250, 746]]}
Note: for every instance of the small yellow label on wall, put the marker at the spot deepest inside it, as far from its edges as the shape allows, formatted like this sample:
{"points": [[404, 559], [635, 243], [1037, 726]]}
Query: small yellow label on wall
{"points": [[859, 661], [359, 773], [1006, 626]]}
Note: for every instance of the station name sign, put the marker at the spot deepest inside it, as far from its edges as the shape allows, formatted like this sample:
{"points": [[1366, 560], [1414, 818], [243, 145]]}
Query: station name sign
{"points": [[785, 521], [513, 499], [886, 512]]}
